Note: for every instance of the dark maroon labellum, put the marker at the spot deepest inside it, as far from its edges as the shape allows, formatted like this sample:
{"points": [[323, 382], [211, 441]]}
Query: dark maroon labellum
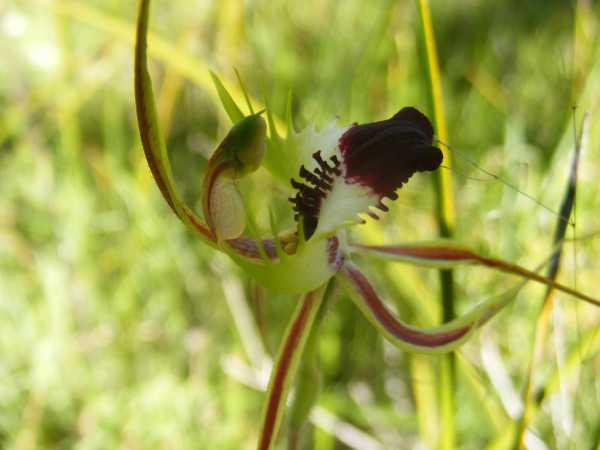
{"points": [[384, 155], [381, 156], [311, 192]]}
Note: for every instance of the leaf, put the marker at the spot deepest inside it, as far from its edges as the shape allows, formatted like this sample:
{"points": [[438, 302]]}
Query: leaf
{"points": [[447, 253], [568, 203], [445, 215], [566, 208], [586, 349], [425, 390], [445, 200], [286, 366]]}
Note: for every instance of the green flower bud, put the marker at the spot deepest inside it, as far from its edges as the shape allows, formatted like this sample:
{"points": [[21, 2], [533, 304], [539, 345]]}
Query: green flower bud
{"points": [[244, 146], [240, 153]]}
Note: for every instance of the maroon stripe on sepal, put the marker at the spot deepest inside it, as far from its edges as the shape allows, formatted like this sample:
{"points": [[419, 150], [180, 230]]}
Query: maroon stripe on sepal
{"points": [[275, 401], [391, 324]]}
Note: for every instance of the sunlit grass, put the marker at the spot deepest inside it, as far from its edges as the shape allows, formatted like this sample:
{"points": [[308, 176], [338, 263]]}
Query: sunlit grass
{"points": [[113, 322]]}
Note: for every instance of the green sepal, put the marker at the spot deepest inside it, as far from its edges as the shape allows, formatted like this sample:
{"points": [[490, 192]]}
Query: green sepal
{"points": [[440, 339], [307, 269], [154, 147], [231, 108], [446, 253]]}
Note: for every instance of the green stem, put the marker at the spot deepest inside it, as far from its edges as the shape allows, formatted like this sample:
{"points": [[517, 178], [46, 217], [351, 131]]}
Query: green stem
{"points": [[445, 220]]}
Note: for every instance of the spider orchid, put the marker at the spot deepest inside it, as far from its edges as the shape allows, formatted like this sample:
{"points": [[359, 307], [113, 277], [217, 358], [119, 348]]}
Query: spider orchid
{"points": [[337, 173]]}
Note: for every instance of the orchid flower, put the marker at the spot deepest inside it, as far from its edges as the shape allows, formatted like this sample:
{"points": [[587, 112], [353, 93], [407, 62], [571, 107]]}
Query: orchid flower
{"points": [[337, 173]]}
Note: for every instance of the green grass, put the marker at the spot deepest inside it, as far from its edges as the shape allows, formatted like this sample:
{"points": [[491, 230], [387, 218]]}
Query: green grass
{"points": [[114, 325]]}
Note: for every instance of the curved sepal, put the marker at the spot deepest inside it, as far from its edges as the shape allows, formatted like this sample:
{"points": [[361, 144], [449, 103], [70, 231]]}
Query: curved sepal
{"points": [[442, 339], [447, 254], [286, 366], [152, 141]]}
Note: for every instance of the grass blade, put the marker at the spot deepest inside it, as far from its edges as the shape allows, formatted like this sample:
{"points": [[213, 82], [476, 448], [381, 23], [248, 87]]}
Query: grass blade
{"points": [[445, 219], [587, 348], [185, 65], [541, 330], [423, 369], [445, 199]]}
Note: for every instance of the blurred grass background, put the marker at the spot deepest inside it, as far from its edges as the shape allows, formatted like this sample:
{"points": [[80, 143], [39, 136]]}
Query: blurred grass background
{"points": [[114, 327]]}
